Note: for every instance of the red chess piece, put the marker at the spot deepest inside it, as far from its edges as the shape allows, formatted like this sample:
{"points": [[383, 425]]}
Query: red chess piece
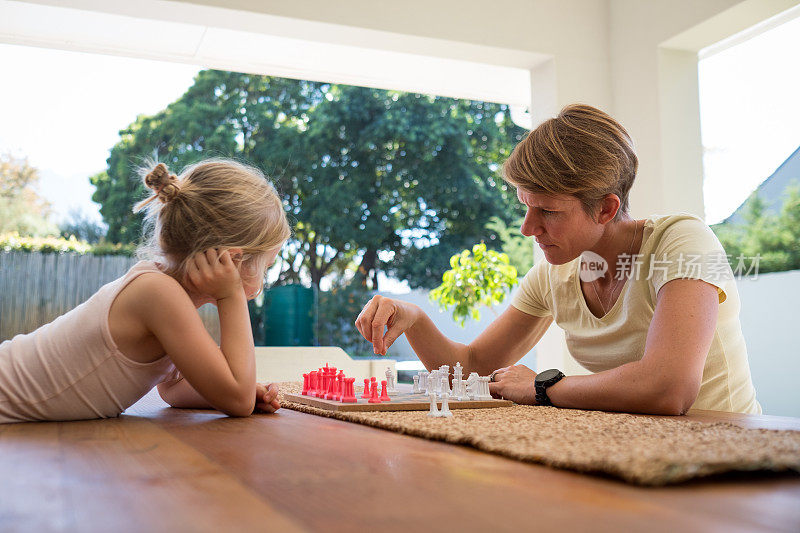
{"points": [[384, 394], [305, 385], [312, 383], [373, 398], [366, 389], [338, 392], [329, 395], [350, 391], [321, 383], [326, 382]]}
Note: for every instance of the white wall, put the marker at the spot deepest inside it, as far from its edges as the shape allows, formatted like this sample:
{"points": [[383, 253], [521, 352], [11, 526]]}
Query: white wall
{"points": [[770, 323]]}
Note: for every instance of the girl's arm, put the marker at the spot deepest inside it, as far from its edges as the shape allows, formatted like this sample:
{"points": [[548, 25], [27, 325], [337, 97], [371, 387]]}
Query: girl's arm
{"points": [[181, 394], [664, 382], [504, 342], [223, 375]]}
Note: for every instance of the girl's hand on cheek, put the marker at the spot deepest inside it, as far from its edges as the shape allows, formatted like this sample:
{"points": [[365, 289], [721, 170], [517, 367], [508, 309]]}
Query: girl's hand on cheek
{"points": [[214, 273]]}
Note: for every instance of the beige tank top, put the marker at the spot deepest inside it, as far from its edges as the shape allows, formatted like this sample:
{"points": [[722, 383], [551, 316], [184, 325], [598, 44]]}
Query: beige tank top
{"points": [[71, 369]]}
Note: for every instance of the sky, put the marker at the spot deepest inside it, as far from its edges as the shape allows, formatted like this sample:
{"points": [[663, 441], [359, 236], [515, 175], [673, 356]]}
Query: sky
{"points": [[63, 110], [750, 115]]}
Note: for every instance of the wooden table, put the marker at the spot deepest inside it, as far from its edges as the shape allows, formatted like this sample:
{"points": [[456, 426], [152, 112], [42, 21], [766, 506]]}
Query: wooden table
{"points": [[162, 469]]}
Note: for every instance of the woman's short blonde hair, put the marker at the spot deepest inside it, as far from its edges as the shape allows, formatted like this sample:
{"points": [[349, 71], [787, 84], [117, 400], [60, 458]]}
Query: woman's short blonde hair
{"points": [[216, 203], [582, 152]]}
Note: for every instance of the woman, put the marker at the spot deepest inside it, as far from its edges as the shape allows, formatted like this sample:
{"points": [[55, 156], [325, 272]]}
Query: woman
{"points": [[649, 306]]}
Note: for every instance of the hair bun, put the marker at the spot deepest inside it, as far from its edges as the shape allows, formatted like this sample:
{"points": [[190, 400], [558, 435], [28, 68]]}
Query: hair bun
{"points": [[163, 183]]}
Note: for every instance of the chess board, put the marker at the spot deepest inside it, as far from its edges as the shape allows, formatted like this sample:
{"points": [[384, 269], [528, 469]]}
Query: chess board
{"points": [[402, 401]]}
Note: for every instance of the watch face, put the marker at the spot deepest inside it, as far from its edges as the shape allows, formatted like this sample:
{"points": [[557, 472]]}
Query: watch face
{"points": [[547, 375]]}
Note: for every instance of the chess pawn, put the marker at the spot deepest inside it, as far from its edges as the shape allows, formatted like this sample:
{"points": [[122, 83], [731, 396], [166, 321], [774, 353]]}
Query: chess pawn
{"points": [[444, 386], [462, 391], [445, 412], [390, 382], [429, 380], [415, 390], [434, 409]]}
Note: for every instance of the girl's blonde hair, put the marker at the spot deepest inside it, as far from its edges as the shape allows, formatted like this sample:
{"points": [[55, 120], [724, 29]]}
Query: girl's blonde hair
{"points": [[582, 152], [216, 203]]}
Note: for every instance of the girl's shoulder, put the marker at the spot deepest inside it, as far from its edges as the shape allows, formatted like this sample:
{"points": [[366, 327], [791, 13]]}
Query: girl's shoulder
{"points": [[152, 284]]}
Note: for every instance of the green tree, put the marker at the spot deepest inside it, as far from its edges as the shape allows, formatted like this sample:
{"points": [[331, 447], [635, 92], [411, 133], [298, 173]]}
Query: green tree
{"points": [[514, 244], [22, 209], [482, 277], [772, 238], [82, 228], [364, 173]]}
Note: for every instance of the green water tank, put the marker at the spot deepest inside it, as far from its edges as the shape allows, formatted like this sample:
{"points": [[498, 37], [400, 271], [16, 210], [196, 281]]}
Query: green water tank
{"points": [[290, 316]]}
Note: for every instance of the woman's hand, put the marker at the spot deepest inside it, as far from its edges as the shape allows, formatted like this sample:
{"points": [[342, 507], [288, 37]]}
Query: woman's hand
{"points": [[267, 398], [514, 383], [381, 312], [214, 273]]}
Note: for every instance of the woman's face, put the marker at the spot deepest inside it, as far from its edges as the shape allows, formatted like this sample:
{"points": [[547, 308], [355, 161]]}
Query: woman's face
{"points": [[559, 224]]}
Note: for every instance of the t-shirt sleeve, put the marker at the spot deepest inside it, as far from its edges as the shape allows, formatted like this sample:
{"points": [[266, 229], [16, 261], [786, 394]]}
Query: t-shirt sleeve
{"points": [[533, 296], [688, 249]]}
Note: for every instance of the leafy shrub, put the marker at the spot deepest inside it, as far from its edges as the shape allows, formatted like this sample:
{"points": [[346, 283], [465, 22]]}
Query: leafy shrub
{"points": [[482, 277], [13, 242]]}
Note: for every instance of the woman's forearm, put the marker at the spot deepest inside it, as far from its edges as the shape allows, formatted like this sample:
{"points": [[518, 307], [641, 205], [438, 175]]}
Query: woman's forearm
{"points": [[628, 388]]}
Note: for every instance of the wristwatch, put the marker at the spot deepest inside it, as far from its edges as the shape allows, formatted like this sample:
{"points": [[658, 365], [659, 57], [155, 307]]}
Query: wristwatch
{"points": [[543, 380]]}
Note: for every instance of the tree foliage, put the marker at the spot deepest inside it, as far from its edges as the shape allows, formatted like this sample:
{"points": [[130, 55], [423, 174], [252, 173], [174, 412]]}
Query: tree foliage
{"points": [[22, 209], [14, 242], [514, 244], [482, 277], [772, 238], [83, 228], [365, 174]]}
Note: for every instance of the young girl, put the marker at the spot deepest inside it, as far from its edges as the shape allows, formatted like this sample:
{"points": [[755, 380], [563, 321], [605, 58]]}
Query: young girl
{"points": [[213, 232]]}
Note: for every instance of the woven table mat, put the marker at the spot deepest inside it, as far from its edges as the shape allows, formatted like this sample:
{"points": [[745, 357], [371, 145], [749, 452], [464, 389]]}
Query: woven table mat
{"points": [[640, 450]]}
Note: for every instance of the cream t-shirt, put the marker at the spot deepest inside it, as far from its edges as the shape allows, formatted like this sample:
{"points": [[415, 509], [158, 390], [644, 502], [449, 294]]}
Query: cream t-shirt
{"points": [[673, 247]]}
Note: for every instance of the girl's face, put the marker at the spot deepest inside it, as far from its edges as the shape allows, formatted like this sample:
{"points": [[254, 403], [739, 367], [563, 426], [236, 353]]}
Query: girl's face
{"points": [[254, 270], [560, 226]]}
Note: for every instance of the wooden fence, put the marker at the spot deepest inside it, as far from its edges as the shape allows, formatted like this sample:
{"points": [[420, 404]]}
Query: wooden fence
{"points": [[37, 288]]}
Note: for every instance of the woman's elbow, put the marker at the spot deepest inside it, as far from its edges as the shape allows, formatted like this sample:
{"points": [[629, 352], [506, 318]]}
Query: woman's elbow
{"points": [[674, 401]]}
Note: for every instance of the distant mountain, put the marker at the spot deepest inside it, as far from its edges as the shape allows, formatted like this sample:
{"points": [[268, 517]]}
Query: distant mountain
{"points": [[772, 189]]}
